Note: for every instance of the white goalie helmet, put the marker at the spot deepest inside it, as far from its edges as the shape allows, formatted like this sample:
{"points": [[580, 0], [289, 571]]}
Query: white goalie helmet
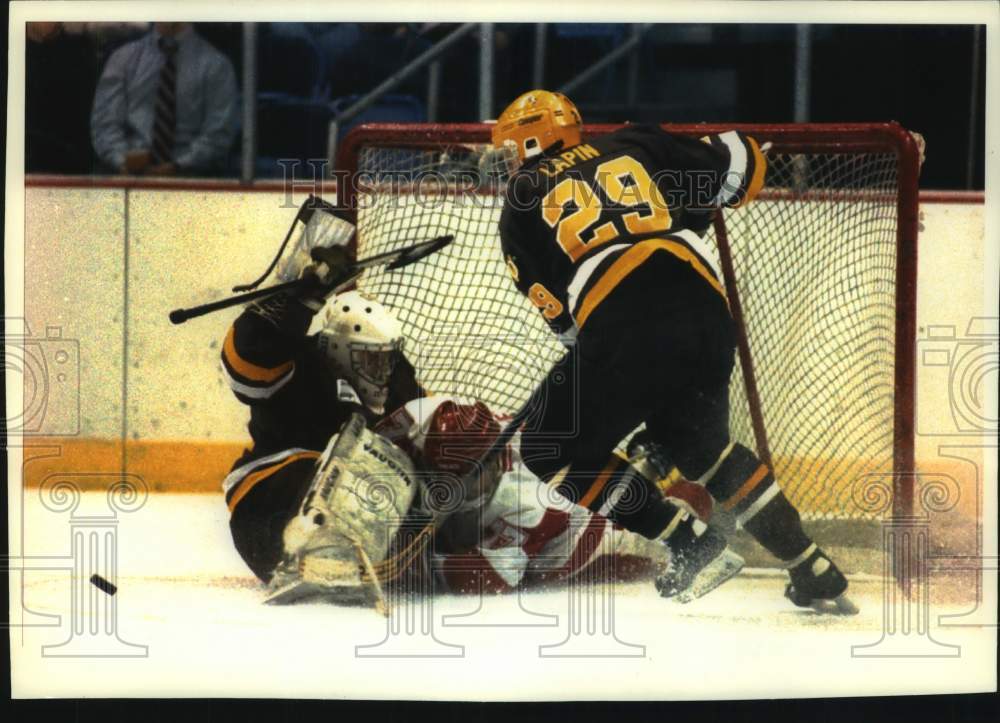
{"points": [[362, 340]]}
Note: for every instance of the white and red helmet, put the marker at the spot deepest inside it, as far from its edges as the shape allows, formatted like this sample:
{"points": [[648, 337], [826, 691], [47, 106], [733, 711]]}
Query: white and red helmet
{"points": [[458, 435], [442, 434]]}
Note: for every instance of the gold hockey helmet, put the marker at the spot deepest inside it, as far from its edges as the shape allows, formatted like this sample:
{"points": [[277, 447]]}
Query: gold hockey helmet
{"points": [[535, 121]]}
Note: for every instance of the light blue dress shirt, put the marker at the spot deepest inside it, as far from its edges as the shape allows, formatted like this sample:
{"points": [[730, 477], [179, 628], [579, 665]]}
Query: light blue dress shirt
{"points": [[124, 103]]}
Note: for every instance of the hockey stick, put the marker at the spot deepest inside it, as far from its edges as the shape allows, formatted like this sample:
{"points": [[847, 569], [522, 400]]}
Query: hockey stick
{"points": [[392, 260]]}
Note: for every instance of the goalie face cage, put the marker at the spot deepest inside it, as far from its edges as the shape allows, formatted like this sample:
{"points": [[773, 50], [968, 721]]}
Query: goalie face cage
{"points": [[824, 264]]}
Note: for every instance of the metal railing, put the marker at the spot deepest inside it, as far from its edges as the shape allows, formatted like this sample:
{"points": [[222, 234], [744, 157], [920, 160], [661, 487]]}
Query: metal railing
{"points": [[248, 156], [430, 59], [629, 46]]}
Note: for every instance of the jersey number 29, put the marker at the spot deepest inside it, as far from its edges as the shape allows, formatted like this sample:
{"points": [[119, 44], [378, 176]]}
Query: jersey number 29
{"points": [[611, 177]]}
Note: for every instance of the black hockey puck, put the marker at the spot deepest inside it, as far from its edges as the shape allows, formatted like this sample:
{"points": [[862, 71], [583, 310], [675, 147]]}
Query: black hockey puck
{"points": [[101, 584]]}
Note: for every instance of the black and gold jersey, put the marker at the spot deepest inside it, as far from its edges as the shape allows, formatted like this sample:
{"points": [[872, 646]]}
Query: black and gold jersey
{"points": [[577, 221]]}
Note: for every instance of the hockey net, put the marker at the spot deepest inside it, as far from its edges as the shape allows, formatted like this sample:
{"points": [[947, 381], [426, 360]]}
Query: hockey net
{"points": [[824, 264]]}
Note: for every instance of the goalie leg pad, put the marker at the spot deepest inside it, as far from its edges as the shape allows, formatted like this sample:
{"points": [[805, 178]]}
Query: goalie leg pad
{"points": [[361, 492]]}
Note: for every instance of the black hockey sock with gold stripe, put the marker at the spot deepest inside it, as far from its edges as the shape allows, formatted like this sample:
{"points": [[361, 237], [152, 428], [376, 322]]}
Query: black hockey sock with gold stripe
{"points": [[745, 486], [619, 492]]}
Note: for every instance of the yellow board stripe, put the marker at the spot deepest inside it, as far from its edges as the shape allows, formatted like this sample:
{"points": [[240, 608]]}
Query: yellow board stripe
{"points": [[746, 488], [600, 482], [247, 369], [248, 482], [632, 259], [759, 169]]}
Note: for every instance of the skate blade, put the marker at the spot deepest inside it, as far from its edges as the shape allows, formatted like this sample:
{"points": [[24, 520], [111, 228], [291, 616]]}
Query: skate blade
{"points": [[840, 605], [722, 568]]}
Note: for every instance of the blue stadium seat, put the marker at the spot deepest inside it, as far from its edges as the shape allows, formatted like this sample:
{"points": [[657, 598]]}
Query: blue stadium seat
{"points": [[290, 62], [297, 128], [292, 128]]}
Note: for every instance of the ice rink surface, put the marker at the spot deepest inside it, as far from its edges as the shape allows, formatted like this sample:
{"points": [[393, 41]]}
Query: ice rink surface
{"points": [[188, 620]]}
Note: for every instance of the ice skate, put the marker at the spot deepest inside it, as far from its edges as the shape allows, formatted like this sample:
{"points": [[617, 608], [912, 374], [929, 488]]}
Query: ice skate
{"points": [[816, 582], [700, 562]]}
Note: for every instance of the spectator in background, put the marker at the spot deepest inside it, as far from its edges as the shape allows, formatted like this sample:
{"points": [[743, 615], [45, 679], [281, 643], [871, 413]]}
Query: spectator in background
{"points": [[60, 74], [166, 104]]}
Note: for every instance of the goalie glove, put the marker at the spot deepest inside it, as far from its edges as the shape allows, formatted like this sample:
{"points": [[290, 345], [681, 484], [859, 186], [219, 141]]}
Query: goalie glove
{"points": [[329, 267], [320, 251]]}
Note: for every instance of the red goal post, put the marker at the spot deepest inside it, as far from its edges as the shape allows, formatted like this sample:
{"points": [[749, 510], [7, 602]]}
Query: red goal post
{"points": [[826, 266]]}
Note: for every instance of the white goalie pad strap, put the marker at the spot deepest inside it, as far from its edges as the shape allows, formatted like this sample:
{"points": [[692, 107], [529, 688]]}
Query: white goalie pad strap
{"points": [[737, 168]]}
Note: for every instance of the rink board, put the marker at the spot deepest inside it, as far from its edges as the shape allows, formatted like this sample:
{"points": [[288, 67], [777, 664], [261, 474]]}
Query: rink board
{"points": [[152, 396]]}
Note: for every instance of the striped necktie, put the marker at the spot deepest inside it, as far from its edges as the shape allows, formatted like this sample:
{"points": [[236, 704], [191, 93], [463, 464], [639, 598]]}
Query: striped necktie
{"points": [[165, 120]]}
